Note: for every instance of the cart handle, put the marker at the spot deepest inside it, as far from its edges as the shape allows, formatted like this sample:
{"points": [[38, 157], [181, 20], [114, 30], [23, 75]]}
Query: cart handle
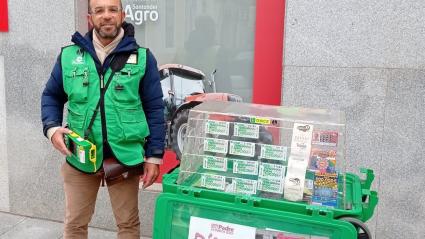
{"points": [[370, 176], [369, 198]]}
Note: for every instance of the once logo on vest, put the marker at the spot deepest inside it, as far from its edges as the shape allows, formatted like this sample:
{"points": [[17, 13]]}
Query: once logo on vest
{"points": [[78, 60]]}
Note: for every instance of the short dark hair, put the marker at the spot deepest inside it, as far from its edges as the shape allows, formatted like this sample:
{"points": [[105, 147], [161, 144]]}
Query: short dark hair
{"points": [[88, 6]]}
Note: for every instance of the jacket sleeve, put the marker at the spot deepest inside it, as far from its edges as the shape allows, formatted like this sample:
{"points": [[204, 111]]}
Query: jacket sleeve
{"points": [[151, 95], [53, 99]]}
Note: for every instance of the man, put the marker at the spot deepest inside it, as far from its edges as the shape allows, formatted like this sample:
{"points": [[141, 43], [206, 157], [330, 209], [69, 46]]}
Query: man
{"points": [[130, 125]]}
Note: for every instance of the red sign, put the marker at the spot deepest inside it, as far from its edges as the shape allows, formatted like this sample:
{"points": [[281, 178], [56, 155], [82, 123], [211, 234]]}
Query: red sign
{"points": [[4, 26], [268, 56]]}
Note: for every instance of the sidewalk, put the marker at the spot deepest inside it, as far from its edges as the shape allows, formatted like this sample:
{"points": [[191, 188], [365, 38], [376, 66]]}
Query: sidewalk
{"points": [[20, 227]]}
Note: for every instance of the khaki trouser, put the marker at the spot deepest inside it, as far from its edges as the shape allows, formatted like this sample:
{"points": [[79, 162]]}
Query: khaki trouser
{"points": [[80, 198]]}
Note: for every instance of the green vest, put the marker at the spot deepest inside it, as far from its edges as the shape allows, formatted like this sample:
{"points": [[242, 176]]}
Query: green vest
{"points": [[126, 126]]}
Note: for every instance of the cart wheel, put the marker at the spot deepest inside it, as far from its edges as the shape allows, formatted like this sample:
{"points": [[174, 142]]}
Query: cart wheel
{"points": [[363, 231], [178, 132]]}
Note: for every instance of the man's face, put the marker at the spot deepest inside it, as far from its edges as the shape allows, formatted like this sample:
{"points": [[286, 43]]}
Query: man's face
{"points": [[106, 16]]}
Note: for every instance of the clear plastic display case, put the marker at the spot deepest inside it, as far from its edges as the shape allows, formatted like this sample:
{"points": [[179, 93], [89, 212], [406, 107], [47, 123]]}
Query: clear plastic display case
{"points": [[282, 153]]}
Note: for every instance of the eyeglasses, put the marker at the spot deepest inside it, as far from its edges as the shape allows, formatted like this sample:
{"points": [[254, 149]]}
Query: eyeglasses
{"points": [[97, 11]]}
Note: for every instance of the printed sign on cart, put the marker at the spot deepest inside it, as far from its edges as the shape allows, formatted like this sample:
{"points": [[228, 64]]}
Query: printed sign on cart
{"points": [[201, 228]]}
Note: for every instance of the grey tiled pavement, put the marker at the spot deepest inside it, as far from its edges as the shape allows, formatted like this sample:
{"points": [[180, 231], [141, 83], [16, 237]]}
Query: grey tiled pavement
{"points": [[20, 227]]}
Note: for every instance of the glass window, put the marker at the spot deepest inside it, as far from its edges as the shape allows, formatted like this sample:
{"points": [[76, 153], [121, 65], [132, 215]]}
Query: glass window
{"points": [[204, 34]]}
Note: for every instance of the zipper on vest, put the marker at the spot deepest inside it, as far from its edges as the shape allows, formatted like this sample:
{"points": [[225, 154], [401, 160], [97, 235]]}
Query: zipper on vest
{"points": [[102, 83], [106, 147], [102, 109]]}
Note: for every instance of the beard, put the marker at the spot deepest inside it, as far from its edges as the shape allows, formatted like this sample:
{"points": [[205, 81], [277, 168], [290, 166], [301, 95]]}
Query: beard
{"points": [[104, 31]]}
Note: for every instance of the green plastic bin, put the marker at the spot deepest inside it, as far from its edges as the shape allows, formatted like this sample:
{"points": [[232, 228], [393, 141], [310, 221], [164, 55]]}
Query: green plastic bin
{"points": [[178, 203], [360, 199], [174, 213]]}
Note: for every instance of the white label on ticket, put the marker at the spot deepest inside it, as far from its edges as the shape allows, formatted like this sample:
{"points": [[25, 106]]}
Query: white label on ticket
{"points": [[245, 186], [245, 167], [213, 181], [271, 171], [270, 185], [273, 152], [217, 127], [215, 145], [246, 130], [215, 163], [242, 148]]}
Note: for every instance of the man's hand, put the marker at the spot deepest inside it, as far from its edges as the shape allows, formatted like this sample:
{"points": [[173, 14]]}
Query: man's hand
{"points": [[59, 142], [150, 174]]}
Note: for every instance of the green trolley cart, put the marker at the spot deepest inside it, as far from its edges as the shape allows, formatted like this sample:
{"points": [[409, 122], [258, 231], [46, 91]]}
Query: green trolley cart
{"points": [[181, 210]]}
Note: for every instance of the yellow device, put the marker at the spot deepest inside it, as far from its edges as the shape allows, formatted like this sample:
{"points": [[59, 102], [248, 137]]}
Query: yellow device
{"points": [[81, 149]]}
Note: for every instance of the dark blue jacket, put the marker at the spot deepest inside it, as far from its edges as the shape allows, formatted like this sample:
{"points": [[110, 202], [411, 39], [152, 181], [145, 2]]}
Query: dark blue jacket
{"points": [[54, 96]]}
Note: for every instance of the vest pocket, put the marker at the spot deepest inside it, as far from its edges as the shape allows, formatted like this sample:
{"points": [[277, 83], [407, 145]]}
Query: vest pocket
{"points": [[76, 121], [134, 125], [125, 86], [79, 82]]}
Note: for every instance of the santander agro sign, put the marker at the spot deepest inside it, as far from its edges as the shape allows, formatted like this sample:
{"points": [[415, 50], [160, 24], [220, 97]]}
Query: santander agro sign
{"points": [[141, 11]]}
